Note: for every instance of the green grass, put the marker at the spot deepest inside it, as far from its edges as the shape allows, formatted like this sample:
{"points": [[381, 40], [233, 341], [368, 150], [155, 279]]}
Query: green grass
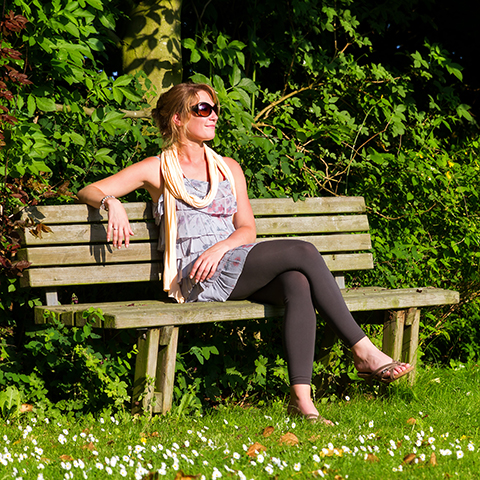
{"points": [[372, 436]]}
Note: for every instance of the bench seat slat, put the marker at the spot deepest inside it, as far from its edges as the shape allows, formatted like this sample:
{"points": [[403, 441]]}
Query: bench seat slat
{"points": [[143, 251], [142, 211], [146, 314], [151, 271]]}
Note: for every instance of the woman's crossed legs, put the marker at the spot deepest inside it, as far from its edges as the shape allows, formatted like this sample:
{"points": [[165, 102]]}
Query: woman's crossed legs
{"points": [[292, 273]]}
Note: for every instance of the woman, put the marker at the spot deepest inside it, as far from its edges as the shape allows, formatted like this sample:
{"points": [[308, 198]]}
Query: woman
{"points": [[208, 230]]}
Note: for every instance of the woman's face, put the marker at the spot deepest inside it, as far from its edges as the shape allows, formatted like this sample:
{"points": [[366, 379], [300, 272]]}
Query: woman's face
{"points": [[199, 128]]}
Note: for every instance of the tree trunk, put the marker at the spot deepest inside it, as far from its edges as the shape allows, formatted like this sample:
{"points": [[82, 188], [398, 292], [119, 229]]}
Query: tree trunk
{"points": [[153, 44]]}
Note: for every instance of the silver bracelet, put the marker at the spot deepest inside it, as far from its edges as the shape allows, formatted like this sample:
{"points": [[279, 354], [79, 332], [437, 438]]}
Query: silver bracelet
{"points": [[102, 203]]}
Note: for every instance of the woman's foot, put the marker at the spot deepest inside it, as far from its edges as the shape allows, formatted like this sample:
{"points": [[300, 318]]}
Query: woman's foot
{"points": [[368, 359], [301, 405]]}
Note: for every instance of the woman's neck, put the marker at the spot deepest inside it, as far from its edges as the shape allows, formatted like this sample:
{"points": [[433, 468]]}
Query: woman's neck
{"points": [[191, 153], [193, 162]]}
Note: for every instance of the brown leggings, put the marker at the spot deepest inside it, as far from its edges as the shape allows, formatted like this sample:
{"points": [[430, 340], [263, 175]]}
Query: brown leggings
{"points": [[292, 273]]}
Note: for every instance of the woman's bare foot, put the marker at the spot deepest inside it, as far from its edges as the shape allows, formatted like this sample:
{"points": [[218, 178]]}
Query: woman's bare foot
{"points": [[301, 405], [368, 358]]}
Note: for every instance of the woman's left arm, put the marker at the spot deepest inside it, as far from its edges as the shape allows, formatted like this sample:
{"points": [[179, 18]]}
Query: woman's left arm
{"points": [[245, 230]]}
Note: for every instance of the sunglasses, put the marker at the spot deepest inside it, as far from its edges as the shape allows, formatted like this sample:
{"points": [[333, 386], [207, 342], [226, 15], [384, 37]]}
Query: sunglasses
{"points": [[204, 109]]}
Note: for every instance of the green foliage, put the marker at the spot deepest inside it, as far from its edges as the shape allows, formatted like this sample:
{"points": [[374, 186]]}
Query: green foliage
{"points": [[309, 107], [398, 134], [71, 369], [10, 402]]}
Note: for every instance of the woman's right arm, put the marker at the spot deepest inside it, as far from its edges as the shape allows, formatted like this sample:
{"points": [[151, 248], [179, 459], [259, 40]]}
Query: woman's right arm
{"points": [[144, 174]]}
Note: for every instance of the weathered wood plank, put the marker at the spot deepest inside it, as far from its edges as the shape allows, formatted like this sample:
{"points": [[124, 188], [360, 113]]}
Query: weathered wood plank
{"points": [[144, 272], [147, 314], [61, 214], [301, 225], [143, 251], [73, 234], [92, 274], [410, 340], [79, 213], [165, 375], [392, 340], [399, 299], [91, 254], [323, 205], [145, 369]]}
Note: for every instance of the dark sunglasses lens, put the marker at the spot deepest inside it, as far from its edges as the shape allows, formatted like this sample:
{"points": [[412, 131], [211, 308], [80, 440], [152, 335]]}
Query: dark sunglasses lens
{"points": [[205, 109]]}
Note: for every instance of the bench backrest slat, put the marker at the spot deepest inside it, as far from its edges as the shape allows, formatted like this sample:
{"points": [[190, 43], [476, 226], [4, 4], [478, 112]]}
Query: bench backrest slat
{"points": [[276, 226], [147, 251], [75, 252], [150, 271], [142, 211]]}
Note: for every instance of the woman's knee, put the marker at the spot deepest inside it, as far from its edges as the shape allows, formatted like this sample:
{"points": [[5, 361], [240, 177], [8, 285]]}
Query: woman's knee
{"points": [[295, 285], [305, 250]]}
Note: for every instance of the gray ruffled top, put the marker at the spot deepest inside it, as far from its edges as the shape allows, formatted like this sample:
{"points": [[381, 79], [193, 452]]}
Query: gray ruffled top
{"points": [[198, 230]]}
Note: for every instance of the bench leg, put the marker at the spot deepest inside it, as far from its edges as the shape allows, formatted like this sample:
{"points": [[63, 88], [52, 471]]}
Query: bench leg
{"points": [[393, 333], [400, 336], [166, 370], [410, 340], [145, 370]]}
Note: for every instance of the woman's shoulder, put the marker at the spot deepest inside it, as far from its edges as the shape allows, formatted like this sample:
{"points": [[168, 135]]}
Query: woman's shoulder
{"points": [[233, 165], [154, 159]]}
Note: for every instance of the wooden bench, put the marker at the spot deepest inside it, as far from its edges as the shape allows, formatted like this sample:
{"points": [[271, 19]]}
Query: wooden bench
{"points": [[75, 252]]}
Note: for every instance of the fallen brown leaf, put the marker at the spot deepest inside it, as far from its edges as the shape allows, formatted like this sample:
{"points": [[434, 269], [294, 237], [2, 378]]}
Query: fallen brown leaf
{"points": [[372, 458], [181, 476], [338, 477], [408, 459], [433, 460], [255, 449], [289, 438], [66, 458], [411, 421], [90, 446], [25, 407], [268, 431], [154, 434], [152, 476]]}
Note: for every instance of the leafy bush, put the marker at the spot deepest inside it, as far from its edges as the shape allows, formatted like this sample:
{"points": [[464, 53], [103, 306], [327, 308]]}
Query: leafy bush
{"points": [[70, 368], [307, 109]]}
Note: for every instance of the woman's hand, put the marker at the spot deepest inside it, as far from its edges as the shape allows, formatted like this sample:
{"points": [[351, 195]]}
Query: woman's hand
{"points": [[206, 264], [118, 228]]}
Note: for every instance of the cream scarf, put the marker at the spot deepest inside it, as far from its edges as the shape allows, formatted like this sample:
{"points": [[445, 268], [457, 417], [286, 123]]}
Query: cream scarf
{"points": [[174, 188]]}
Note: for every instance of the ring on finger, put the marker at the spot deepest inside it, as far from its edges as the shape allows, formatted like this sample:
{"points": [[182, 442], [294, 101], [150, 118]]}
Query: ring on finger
{"points": [[115, 228]]}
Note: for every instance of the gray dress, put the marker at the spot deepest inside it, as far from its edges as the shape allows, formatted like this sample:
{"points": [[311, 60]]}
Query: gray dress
{"points": [[197, 230]]}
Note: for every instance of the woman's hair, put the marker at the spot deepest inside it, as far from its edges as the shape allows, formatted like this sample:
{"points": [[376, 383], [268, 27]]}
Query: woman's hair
{"points": [[178, 100]]}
